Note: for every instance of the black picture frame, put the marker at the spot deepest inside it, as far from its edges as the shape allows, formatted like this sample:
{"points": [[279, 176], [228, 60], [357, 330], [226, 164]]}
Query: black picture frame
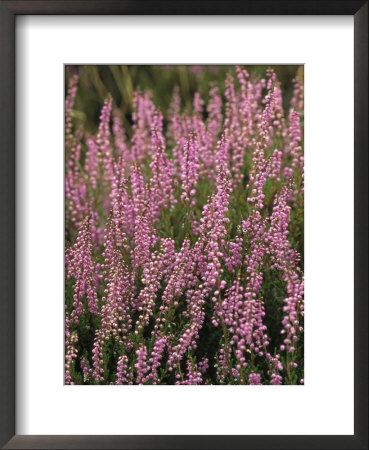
{"points": [[8, 12]]}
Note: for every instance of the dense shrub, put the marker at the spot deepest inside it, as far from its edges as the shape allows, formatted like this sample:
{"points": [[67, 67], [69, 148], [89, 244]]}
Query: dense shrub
{"points": [[184, 238]]}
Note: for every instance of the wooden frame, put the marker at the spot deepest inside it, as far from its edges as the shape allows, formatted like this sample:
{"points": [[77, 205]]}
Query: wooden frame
{"points": [[8, 11]]}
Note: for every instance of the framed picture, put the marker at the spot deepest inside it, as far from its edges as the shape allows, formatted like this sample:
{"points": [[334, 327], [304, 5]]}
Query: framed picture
{"points": [[184, 224]]}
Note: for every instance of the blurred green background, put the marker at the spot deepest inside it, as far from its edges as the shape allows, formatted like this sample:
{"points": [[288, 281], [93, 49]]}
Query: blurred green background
{"points": [[96, 81]]}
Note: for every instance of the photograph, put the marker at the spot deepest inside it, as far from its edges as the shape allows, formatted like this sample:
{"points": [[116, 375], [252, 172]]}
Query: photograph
{"points": [[184, 225]]}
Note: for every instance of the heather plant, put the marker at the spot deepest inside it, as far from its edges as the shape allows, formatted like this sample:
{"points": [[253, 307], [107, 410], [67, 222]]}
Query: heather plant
{"points": [[184, 234]]}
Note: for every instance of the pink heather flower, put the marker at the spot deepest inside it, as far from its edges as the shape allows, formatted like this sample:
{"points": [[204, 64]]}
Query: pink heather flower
{"points": [[151, 277], [110, 254], [275, 163], [275, 366], [139, 191], [233, 259], [167, 246], [103, 139], [183, 268], [193, 375], [69, 103], [255, 378], [91, 167], [258, 177], [71, 340], [270, 123], [297, 101], [80, 267], [118, 294], [97, 358], [224, 368], [161, 182], [294, 138], [203, 365], [122, 207], [143, 238], [237, 136], [143, 116], [155, 359], [276, 113], [141, 365], [124, 376], [251, 327], [276, 379], [286, 260], [115, 311], [235, 373], [205, 145], [189, 172], [76, 189], [248, 101], [198, 104], [187, 340]]}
